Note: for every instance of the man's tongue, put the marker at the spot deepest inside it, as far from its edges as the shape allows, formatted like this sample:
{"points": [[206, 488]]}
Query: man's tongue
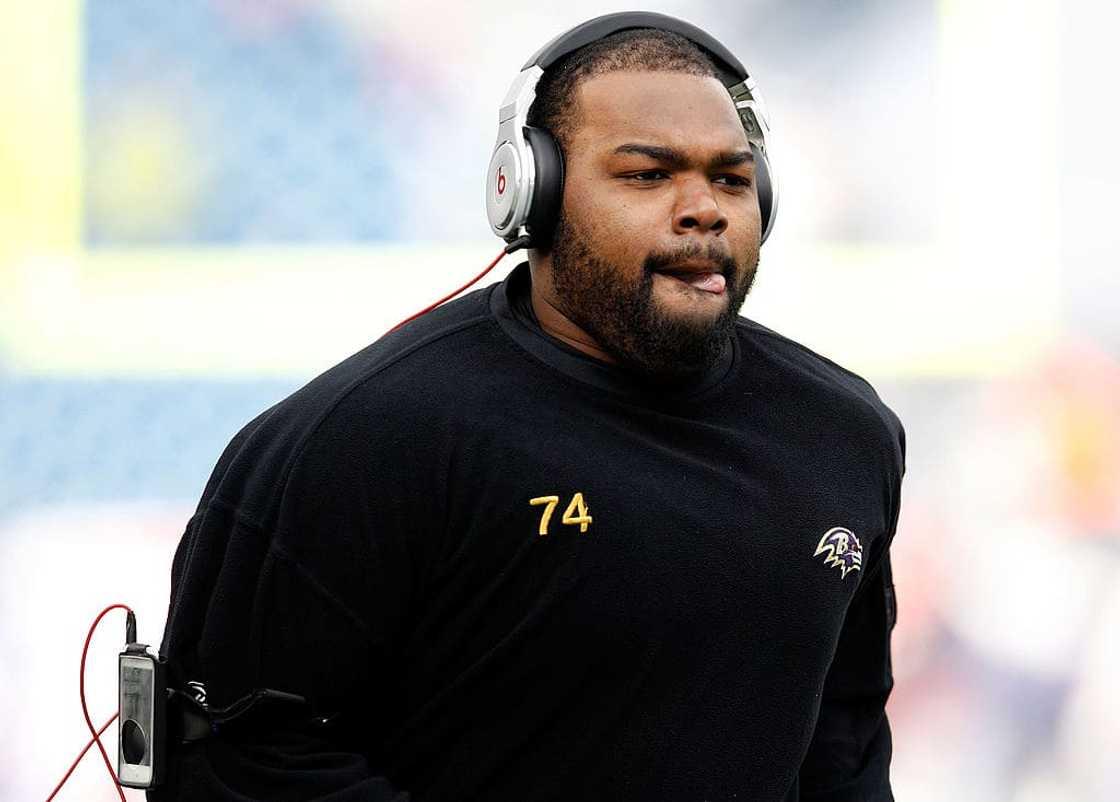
{"points": [[708, 282]]}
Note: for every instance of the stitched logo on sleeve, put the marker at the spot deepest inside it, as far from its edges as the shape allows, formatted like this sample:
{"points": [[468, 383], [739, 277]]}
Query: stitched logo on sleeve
{"points": [[842, 549]]}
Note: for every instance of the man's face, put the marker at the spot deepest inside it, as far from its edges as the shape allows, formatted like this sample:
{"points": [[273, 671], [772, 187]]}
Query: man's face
{"points": [[658, 238]]}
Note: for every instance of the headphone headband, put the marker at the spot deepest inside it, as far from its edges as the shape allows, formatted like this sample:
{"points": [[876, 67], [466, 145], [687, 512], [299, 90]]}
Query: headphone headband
{"points": [[730, 69]]}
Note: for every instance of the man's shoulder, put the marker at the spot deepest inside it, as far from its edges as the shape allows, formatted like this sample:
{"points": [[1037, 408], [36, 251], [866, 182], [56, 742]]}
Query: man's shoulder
{"points": [[801, 364], [439, 337], [799, 358], [398, 378]]}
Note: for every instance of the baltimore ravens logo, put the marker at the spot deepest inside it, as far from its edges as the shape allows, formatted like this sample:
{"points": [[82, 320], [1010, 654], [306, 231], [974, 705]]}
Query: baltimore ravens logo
{"points": [[842, 549]]}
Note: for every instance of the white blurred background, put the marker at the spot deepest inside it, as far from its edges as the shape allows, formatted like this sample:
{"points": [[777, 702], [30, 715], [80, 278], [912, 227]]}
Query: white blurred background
{"points": [[204, 204]]}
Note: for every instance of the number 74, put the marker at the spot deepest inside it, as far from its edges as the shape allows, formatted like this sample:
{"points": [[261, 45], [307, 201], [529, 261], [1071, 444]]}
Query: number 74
{"points": [[576, 513]]}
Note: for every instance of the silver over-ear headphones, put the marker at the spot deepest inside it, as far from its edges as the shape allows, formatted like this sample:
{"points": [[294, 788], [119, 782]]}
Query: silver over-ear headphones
{"points": [[525, 179]]}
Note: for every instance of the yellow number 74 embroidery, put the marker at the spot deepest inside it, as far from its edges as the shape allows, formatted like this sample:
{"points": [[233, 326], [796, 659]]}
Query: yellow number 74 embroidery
{"points": [[576, 513]]}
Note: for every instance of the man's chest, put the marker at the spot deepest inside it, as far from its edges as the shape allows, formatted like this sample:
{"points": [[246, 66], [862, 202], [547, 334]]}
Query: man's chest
{"points": [[621, 532]]}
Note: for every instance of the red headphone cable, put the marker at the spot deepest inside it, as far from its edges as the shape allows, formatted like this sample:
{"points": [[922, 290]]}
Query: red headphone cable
{"points": [[85, 710], [82, 754], [520, 242]]}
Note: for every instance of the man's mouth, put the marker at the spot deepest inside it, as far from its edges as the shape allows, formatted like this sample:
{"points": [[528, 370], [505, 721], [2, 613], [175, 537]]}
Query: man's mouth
{"points": [[703, 278]]}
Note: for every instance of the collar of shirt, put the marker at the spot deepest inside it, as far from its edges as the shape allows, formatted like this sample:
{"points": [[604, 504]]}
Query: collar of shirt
{"points": [[511, 306]]}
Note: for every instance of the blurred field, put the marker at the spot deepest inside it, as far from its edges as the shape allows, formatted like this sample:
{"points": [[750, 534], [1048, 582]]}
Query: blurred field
{"points": [[204, 204]]}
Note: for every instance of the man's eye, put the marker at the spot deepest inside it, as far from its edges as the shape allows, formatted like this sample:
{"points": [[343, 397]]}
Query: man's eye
{"points": [[648, 175], [735, 180]]}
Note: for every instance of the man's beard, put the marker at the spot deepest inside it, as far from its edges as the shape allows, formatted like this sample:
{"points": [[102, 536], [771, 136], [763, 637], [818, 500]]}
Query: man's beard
{"points": [[625, 320]]}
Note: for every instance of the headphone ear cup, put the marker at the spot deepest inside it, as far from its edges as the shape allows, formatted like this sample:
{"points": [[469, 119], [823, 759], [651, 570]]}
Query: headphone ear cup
{"points": [[548, 189], [764, 188]]}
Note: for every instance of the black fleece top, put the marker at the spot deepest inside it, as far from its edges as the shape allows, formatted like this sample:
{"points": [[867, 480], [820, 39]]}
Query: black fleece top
{"points": [[519, 573]]}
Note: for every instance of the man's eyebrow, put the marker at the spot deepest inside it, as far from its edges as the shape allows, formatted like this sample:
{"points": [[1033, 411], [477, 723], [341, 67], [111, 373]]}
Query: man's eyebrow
{"points": [[675, 159]]}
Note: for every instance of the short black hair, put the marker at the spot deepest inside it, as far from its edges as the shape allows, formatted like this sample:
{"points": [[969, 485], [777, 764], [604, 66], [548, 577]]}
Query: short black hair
{"points": [[648, 49]]}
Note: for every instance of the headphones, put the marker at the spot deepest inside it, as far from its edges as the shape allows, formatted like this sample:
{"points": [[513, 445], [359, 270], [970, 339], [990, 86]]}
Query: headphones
{"points": [[525, 179]]}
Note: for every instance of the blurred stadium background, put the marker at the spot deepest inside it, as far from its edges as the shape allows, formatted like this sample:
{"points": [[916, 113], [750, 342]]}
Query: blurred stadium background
{"points": [[203, 204]]}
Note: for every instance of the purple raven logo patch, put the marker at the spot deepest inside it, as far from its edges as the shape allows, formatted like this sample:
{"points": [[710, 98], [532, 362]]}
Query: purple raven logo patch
{"points": [[842, 549]]}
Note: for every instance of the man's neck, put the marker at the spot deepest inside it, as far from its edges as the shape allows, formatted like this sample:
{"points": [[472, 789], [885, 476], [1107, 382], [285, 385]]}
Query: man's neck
{"points": [[556, 324]]}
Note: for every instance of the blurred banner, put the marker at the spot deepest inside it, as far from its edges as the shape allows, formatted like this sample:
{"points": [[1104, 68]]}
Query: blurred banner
{"points": [[206, 203]]}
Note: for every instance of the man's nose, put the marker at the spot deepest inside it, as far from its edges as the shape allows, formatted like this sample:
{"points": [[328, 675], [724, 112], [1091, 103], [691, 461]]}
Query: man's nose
{"points": [[697, 210]]}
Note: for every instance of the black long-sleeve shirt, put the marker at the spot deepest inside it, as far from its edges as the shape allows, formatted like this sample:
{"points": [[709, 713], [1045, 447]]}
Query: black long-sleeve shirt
{"points": [[522, 574]]}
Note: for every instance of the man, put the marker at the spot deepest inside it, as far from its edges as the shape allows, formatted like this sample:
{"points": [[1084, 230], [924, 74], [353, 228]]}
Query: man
{"points": [[582, 535]]}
